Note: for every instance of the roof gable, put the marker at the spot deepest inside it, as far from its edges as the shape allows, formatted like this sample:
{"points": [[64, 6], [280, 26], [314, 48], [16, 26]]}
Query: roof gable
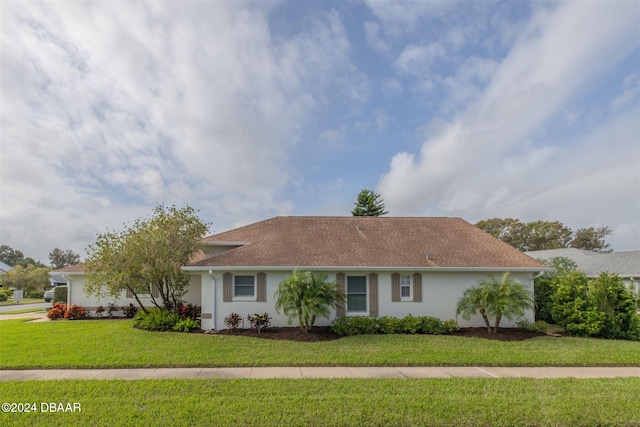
{"points": [[413, 242]]}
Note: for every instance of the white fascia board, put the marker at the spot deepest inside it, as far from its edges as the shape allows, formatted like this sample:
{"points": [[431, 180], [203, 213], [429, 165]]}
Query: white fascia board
{"points": [[359, 268], [67, 273], [220, 243]]}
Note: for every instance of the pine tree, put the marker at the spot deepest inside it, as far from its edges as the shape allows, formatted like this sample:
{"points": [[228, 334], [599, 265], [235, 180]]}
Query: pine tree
{"points": [[368, 205]]}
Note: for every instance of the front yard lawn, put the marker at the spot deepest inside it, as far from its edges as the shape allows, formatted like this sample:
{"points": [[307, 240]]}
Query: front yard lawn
{"points": [[330, 402], [116, 344]]}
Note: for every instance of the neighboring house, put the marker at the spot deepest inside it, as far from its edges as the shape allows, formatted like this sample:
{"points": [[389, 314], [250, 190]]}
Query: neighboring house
{"points": [[387, 266], [624, 264], [4, 267]]}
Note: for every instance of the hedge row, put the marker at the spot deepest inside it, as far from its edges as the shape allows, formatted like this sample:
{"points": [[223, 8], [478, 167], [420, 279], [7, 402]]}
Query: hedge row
{"points": [[393, 325]]}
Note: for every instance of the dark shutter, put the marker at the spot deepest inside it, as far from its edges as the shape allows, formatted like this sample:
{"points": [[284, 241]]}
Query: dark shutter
{"points": [[227, 287], [417, 287], [340, 281], [261, 291], [395, 287], [373, 295], [129, 293]]}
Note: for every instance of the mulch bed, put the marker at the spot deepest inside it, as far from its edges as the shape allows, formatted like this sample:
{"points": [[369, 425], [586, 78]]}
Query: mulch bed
{"points": [[324, 333]]}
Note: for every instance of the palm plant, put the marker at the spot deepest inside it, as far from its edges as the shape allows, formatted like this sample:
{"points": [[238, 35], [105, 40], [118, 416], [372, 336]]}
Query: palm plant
{"points": [[496, 298], [474, 301], [307, 296], [507, 298]]}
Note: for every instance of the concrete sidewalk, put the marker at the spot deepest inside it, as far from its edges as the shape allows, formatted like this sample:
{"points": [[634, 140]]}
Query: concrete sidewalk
{"points": [[319, 372]]}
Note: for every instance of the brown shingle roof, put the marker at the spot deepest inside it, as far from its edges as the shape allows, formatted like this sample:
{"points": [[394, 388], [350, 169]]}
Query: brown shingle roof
{"points": [[365, 242], [77, 268]]}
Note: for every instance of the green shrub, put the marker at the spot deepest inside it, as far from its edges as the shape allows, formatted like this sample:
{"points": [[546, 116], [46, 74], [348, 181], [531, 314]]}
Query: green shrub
{"points": [[451, 326], [573, 306], [388, 325], [432, 326], [3, 296], [355, 325], [60, 294], [156, 319], [34, 294], [346, 326], [187, 324], [617, 303]]}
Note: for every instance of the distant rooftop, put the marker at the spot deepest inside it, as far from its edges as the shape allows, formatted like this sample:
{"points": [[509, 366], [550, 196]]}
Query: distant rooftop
{"points": [[624, 264]]}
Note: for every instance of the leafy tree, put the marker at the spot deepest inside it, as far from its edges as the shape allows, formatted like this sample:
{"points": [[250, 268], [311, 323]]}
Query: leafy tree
{"points": [[147, 256], [368, 204], [14, 257], [573, 305], [509, 230], [28, 278], [541, 235], [61, 259], [592, 239], [545, 285], [306, 296], [495, 298]]}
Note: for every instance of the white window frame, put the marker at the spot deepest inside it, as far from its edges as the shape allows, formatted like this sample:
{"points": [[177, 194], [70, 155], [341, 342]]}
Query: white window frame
{"points": [[406, 281], [364, 312], [244, 297]]}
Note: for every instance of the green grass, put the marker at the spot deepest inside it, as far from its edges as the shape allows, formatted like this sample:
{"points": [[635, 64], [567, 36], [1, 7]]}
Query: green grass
{"points": [[116, 344], [330, 402], [26, 310], [10, 301]]}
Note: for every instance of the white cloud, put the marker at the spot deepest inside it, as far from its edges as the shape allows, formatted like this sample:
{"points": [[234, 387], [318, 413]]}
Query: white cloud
{"points": [[140, 103], [374, 40], [418, 59], [402, 16], [492, 159]]}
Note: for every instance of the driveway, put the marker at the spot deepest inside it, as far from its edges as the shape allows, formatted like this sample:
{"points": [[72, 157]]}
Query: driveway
{"points": [[16, 307]]}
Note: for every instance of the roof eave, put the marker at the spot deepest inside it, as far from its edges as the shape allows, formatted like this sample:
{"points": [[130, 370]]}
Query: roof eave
{"points": [[363, 268]]}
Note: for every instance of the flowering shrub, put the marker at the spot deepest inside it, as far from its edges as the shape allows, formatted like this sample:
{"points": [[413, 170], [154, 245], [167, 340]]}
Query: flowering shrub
{"points": [[260, 322], [112, 309], [75, 312], [233, 320], [57, 311], [129, 310], [188, 311], [99, 311]]}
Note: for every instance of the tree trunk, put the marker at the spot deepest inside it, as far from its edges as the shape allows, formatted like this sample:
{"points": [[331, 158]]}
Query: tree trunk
{"points": [[486, 319], [495, 328]]}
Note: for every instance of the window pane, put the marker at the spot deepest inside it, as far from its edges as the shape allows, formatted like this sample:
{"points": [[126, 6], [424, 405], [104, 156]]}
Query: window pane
{"points": [[357, 303], [243, 286], [356, 285], [406, 291], [244, 280], [243, 291]]}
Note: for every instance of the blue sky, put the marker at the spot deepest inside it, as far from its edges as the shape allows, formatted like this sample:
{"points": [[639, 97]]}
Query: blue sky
{"points": [[247, 110]]}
